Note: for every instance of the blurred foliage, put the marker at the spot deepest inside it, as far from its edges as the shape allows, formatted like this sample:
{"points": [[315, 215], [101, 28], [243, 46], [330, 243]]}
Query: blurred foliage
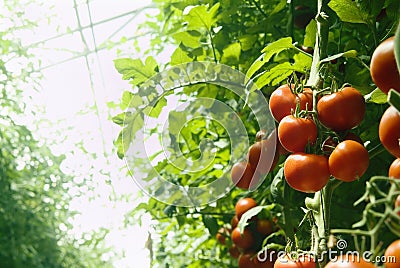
{"points": [[34, 202], [261, 38]]}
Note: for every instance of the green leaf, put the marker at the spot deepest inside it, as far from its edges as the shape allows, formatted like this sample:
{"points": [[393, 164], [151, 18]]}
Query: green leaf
{"points": [[231, 53], [247, 41], [397, 47], [349, 11], [376, 96], [394, 99], [248, 215], [135, 69], [179, 57], [199, 17], [130, 100], [275, 75], [211, 224], [347, 54], [188, 38], [311, 33], [269, 51], [154, 111]]}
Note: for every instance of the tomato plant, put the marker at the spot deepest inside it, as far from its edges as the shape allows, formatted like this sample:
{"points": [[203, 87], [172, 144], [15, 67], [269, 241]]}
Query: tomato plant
{"points": [[384, 70], [295, 133], [243, 241], [341, 110], [348, 161], [243, 175], [389, 131], [283, 101], [307, 173]]}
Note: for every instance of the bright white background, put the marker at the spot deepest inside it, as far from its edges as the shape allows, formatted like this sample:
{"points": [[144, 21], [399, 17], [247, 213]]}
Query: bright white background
{"points": [[73, 115]]}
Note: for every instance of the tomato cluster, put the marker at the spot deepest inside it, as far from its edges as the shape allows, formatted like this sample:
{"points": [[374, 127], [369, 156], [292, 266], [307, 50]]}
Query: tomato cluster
{"points": [[246, 245], [309, 167]]}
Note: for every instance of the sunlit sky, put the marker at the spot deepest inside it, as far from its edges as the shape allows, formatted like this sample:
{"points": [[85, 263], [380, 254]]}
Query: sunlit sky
{"points": [[69, 124]]}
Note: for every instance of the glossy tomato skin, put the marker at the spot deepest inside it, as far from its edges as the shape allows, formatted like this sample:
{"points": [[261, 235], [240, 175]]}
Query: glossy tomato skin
{"points": [[244, 205], [349, 261], [307, 173], [348, 161], [389, 131], [383, 69], [295, 133], [393, 251], [262, 154], [243, 175], [244, 241], [283, 101], [342, 110], [394, 169], [264, 227], [302, 262]]}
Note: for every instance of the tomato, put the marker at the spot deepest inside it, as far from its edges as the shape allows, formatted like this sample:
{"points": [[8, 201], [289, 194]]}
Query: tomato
{"points": [[246, 261], [264, 226], [244, 205], [307, 173], [243, 241], [295, 133], [234, 251], [302, 262], [221, 236], [329, 145], [262, 155], [283, 101], [348, 161], [389, 131], [234, 221], [243, 175], [393, 253], [349, 261], [394, 170], [265, 261], [341, 110], [383, 69], [397, 204]]}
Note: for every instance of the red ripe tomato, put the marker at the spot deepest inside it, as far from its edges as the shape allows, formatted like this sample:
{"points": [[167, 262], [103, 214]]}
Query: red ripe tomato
{"points": [[397, 204], [348, 161], [234, 221], [393, 253], [262, 154], [244, 205], [389, 131], [246, 261], [329, 145], [222, 236], [302, 262], [261, 263], [349, 261], [295, 133], [243, 241], [307, 173], [234, 251], [243, 175], [341, 110], [283, 101], [264, 227], [383, 69], [394, 170]]}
